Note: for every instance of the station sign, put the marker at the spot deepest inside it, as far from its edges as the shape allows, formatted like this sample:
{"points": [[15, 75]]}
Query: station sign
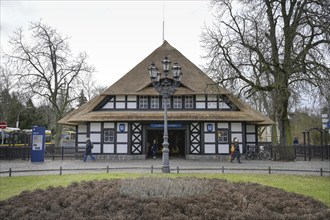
{"points": [[38, 144]]}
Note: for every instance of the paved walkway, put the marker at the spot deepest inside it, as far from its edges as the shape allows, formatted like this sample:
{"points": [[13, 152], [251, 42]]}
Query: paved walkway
{"points": [[25, 167]]}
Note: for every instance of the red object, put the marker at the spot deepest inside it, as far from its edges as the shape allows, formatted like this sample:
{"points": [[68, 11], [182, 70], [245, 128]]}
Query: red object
{"points": [[3, 125]]}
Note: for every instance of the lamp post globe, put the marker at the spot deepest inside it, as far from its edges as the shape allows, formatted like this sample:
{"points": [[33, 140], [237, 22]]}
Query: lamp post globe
{"points": [[166, 87]]}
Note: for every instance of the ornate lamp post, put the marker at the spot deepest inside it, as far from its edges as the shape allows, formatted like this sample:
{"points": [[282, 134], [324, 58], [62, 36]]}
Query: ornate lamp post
{"points": [[166, 87]]}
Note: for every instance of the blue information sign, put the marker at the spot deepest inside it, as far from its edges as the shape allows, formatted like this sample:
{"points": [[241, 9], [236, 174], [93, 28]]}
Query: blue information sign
{"points": [[38, 144], [328, 124], [168, 125]]}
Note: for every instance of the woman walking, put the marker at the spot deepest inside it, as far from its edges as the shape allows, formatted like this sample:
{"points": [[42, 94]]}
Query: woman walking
{"points": [[236, 152]]}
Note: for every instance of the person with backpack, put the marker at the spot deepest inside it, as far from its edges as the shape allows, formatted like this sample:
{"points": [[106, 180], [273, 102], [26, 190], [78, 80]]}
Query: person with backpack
{"points": [[236, 152], [88, 150]]}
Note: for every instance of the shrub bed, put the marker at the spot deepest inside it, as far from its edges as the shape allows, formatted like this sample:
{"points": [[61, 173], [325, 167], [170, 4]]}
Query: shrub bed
{"points": [[162, 198]]}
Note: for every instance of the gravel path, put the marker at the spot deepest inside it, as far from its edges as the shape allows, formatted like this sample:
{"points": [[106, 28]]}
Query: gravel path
{"points": [[25, 167]]}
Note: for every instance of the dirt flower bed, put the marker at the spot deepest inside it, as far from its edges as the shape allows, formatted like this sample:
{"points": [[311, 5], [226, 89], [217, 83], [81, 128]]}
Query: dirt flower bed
{"points": [[153, 198]]}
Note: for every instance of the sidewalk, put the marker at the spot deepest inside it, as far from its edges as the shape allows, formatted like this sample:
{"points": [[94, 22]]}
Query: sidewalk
{"points": [[154, 165]]}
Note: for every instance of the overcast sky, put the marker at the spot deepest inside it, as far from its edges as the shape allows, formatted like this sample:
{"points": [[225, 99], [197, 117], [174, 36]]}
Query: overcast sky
{"points": [[116, 35]]}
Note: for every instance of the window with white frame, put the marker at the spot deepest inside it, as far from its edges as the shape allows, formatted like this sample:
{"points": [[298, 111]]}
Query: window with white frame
{"points": [[154, 102], [188, 102], [168, 103], [143, 102], [177, 102], [109, 135]]}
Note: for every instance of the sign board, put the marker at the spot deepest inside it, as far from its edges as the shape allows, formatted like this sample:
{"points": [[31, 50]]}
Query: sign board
{"points": [[168, 125], [325, 121], [3, 125], [38, 144]]}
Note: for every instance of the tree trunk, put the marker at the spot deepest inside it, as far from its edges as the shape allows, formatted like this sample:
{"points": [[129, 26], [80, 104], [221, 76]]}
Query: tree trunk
{"points": [[285, 148]]}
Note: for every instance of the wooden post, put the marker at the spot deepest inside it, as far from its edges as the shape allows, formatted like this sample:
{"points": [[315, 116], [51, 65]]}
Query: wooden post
{"points": [[223, 169], [321, 171], [177, 169], [152, 168], [269, 170], [9, 172], [107, 168], [60, 170]]}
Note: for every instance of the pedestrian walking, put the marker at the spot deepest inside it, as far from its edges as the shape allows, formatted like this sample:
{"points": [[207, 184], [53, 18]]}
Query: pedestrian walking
{"points": [[154, 149], [88, 150], [236, 152], [295, 141]]}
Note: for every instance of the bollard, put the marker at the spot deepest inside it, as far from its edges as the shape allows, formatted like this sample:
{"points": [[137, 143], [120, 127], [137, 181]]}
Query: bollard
{"points": [[177, 169], [107, 168], [223, 169], [269, 170], [152, 169], [60, 170], [9, 172], [62, 152], [321, 171]]}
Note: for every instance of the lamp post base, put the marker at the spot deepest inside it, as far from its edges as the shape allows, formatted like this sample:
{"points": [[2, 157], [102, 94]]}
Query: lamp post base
{"points": [[166, 169], [166, 161]]}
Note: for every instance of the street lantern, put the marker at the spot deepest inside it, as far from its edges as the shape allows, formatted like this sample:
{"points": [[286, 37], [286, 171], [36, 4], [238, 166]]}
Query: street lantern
{"points": [[166, 87]]}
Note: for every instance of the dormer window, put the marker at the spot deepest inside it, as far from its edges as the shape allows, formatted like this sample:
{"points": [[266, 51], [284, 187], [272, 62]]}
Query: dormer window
{"points": [[143, 102]]}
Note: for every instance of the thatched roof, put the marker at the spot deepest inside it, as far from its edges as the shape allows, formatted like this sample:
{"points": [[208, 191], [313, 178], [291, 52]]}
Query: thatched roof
{"points": [[137, 82]]}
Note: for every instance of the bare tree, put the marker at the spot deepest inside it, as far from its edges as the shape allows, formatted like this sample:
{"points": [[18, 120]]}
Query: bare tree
{"points": [[274, 46], [46, 67]]}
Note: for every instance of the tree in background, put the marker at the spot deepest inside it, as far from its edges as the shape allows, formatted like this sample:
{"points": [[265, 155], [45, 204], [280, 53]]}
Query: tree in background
{"points": [[272, 48], [46, 67], [82, 98]]}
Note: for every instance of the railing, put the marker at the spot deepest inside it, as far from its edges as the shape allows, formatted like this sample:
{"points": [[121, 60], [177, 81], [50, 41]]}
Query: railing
{"points": [[288, 153], [222, 169]]}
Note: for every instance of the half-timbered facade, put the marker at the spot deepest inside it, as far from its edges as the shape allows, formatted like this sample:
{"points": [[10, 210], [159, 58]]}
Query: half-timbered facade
{"points": [[203, 118]]}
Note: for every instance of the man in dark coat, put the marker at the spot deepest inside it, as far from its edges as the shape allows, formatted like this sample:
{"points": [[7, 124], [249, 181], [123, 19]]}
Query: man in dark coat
{"points": [[236, 152], [154, 149], [89, 146]]}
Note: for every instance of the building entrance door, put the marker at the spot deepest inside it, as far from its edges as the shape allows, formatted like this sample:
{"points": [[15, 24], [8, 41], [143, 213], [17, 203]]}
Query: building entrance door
{"points": [[176, 139]]}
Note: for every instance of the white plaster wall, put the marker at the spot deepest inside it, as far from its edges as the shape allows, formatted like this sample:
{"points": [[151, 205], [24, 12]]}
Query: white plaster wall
{"points": [[95, 126], [209, 137], [236, 127], [109, 125], [120, 105], [209, 148], [108, 105], [96, 148], [223, 148], [200, 98], [200, 105], [122, 148], [131, 105], [251, 138], [82, 128], [120, 98], [122, 137], [223, 125], [95, 138], [82, 137], [212, 105], [250, 128], [131, 98], [108, 148]]}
